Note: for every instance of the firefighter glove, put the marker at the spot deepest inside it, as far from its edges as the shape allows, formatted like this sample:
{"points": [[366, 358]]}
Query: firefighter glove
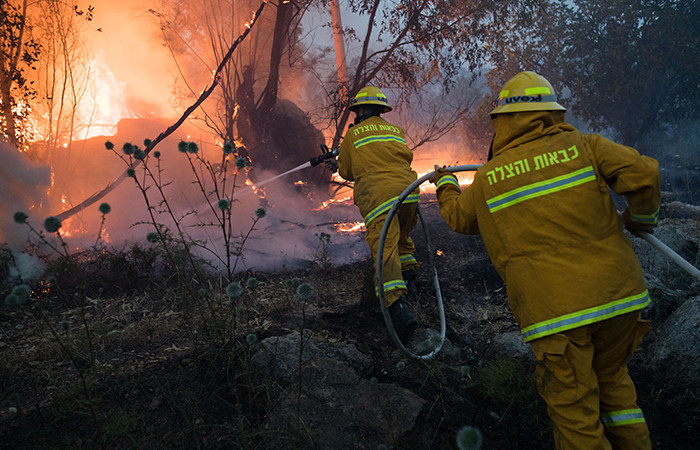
{"points": [[635, 227], [332, 165], [439, 173]]}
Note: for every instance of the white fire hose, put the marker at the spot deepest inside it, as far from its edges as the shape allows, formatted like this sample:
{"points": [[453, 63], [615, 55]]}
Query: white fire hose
{"points": [[651, 239], [380, 257], [673, 256]]}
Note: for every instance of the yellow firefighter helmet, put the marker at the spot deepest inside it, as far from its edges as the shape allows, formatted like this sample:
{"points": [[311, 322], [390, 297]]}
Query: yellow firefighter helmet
{"points": [[527, 91], [369, 95]]}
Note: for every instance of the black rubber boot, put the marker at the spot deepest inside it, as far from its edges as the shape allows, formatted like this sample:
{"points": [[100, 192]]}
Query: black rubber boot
{"points": [[402, 319], [409, 277]]}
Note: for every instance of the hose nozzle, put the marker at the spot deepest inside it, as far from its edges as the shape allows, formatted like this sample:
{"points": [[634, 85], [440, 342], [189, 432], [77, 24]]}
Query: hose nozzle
{"points": [[326, 153]]}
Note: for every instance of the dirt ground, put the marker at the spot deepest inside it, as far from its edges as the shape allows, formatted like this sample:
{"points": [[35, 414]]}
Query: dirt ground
{"points": [[154, 368]]}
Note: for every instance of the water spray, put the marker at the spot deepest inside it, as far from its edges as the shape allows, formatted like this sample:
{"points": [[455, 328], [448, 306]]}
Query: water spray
{"points": [[326, 155]]}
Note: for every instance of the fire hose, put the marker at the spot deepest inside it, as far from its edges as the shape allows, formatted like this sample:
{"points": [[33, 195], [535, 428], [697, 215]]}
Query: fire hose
{"points": [[672, 255], [651, 239], [436, 282]]}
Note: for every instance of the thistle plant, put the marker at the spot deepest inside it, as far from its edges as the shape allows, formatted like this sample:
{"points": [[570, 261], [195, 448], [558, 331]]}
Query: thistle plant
{"points": [[22, 293], [321, 257], [252, 283], [469, 438], [51, 225], [234, 290], [217, 186], [104, 209], [305, 291]]}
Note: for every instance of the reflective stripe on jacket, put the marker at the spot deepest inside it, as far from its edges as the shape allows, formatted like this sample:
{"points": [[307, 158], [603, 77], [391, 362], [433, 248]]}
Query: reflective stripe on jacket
{"points": [[549, 224], [375, 156]]}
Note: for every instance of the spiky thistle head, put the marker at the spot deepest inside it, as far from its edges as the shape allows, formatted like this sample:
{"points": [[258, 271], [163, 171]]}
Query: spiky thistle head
{"points": [[11, 300], [192, 147], [20, 217], [22, 293], [109, 145], [182, 147], [251, 339], [252, 283], [52, 224], [293, 282], [234, 290], [105, 208], [138, 153], [224, 204], [147, 142], [156, 154], [241, 162], [305, 291], [130, 172], [128, 148], [228, 148], [469, 438], [260, 213]]}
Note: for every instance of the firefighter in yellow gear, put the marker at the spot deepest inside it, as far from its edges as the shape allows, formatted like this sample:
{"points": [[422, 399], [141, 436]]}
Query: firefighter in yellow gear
{"points": [[575, 285], [374, 155]]}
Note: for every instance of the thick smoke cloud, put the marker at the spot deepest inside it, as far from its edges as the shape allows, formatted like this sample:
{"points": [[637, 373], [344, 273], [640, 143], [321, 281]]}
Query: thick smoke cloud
{"points": [[23, 186]]}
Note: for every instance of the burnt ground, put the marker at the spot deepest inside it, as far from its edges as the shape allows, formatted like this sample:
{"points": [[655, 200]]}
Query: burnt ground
{"points": [[159, 368]]}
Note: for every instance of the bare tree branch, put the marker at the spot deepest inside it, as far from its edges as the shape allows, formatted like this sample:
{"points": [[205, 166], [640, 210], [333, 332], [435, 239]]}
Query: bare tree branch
{"points": [[207, 91]]}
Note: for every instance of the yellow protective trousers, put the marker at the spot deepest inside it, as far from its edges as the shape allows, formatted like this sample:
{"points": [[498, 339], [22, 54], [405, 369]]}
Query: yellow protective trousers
{"points": [[582, 376], [398, 249]]}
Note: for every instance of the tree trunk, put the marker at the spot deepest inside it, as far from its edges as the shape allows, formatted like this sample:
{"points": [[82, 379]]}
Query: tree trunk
{"points": [[340, 58]]}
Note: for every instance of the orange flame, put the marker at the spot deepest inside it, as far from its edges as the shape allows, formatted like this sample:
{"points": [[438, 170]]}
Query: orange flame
{"points": [[350, 227]]}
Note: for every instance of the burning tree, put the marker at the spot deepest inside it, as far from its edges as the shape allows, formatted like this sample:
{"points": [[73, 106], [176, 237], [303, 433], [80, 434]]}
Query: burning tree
{"points": [[275, 133], [63, 76], [18, 53]]}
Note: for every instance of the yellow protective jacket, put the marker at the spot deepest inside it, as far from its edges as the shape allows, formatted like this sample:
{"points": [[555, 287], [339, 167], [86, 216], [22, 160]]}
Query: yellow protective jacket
{"points": [[549, 224], [375, 156]]}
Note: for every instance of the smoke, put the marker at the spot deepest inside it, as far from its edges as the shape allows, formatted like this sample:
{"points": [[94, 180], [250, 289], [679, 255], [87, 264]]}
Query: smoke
{"points": [[23, 186], [27, 268], [134, 74]]}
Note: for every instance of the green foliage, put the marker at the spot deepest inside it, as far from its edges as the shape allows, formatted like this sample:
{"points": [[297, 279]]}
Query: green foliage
{"points": [[625, 66], [507, 381]]}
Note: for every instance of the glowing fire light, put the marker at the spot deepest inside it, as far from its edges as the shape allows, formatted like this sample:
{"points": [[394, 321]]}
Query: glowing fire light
{"points": [[350, 227], [439, 252], [337, 200], [105, 106], [463, 178]]}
